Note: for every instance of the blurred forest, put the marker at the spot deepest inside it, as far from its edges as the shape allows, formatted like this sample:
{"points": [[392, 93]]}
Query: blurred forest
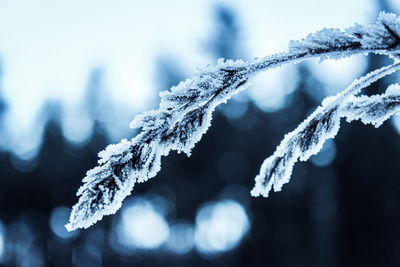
{"points": [[340, 209]]}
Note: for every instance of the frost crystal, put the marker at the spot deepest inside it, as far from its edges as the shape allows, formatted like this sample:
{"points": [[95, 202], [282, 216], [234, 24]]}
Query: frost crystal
{"points": [[308, 138], [185, 113]]}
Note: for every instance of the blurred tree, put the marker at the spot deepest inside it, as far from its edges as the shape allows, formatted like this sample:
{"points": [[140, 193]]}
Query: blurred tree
{"points": [[3, 109], [225, 41], [2, 101], [96, 98]]}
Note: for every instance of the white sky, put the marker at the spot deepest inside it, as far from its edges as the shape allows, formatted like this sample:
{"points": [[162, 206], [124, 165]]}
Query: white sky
{"points": [[48, 48]]}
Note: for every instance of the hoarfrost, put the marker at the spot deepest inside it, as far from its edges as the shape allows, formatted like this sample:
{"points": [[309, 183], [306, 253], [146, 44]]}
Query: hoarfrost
{"points": [[374, 109], [185, 113], [308, 138]]}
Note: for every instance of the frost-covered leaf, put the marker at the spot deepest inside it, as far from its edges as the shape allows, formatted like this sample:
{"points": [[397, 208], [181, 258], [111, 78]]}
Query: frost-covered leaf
{"points": [[185, 113], [374, 109], [308, 138]]}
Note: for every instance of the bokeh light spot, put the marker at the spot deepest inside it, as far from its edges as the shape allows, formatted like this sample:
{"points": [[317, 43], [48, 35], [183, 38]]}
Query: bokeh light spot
{"points": [[142, 226], [220, 227]]}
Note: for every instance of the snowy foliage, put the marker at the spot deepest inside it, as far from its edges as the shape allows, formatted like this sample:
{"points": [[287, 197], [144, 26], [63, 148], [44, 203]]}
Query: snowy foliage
{"points": [[308, 138], [185, 113]]}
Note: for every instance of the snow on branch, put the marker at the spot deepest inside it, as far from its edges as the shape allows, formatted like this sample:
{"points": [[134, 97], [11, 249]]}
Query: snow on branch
{"points": [[185, 113], [308, 138], [374, 109]]}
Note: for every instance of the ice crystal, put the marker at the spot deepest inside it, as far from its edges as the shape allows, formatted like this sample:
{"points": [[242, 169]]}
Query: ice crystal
{"points": [[185, 113]]}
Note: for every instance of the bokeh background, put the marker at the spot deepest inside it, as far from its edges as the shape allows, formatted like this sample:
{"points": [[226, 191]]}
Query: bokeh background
{"points": [[74, 73]]}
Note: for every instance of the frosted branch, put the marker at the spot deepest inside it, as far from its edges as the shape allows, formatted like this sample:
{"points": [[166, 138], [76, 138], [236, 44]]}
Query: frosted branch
{"points": [[185, 113], [373, 110], [308, 138]]}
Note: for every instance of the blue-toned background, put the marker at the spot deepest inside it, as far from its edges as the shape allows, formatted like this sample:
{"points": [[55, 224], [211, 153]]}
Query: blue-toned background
{"points": [[73, 74]]}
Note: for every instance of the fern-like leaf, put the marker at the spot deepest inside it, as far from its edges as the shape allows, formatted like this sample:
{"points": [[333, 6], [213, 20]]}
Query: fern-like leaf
{"points": [[185, 114]]}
